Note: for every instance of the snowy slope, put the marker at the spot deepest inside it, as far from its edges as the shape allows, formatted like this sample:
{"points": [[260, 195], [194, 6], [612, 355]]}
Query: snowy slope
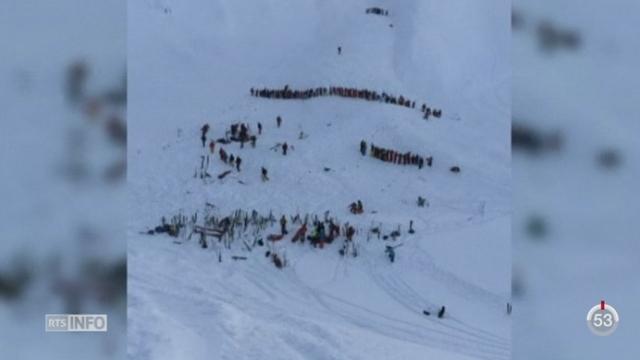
{"points": [[194, 62], [591, 249], [48, 218]]}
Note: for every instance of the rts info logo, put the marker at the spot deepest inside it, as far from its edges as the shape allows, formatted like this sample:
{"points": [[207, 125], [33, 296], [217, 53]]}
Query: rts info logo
{"points": [[76, 322]]}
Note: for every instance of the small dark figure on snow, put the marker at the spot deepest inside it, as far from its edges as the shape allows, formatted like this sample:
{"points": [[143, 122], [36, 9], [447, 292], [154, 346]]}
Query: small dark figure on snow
{"points": [[350, 232], [212, 146], [265, 177], [223, 155], [238, 162], [455, 169], [259, 128], [278, 120], [421, 201], [322, 234], [339, 50], [426, 312], [509, 308], [363, 147], [441, 312], [391, 253], [283, 225], [285, 147], [232, 159], [429, 161], [244, 135], [253, 141], [234, 130], [277, 261], [203, 240], [411, 231], [204, 129]]}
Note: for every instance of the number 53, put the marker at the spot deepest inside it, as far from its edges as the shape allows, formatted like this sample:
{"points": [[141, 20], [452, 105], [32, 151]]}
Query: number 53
{"points": [[603, 319]]}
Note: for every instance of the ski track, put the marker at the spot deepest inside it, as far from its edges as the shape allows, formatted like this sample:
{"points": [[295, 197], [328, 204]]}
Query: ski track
{"points": [[404, 295], [468, 341]]}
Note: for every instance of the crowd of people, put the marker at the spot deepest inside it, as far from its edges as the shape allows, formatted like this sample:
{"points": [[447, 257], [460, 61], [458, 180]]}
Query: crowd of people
{"points": [[377, 11], [241, 132], [427, 111], [355, 93], [356, 207], [237, 132], [397, 157], [230, 159]]}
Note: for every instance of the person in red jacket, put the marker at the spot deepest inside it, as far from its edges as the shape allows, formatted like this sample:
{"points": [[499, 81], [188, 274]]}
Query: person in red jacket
{"points": [[212, 146]]}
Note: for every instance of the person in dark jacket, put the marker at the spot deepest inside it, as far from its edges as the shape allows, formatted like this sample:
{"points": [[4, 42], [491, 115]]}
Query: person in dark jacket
{"points": [[441, 312], [223, 155], [391, 253], [203, 135], [285, 147], [238, 162], [244, 135], [279, 121], [363, 147], [283, 225], [265, 176], [259, 128], [322, 235], [350, 232]]}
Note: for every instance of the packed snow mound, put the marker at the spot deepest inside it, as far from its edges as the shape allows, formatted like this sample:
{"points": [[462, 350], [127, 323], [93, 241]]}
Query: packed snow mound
{"points": [[195, 63]]}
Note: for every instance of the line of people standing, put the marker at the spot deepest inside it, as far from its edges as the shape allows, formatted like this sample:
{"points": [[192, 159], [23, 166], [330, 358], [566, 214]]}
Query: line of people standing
{"points": [[364, 94], [427, 111], [396, 157]]}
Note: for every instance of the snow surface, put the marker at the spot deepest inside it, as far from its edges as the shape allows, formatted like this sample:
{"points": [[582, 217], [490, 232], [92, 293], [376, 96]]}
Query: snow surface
{"points": [[591, 250], [194, 62], [43, 213]]}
